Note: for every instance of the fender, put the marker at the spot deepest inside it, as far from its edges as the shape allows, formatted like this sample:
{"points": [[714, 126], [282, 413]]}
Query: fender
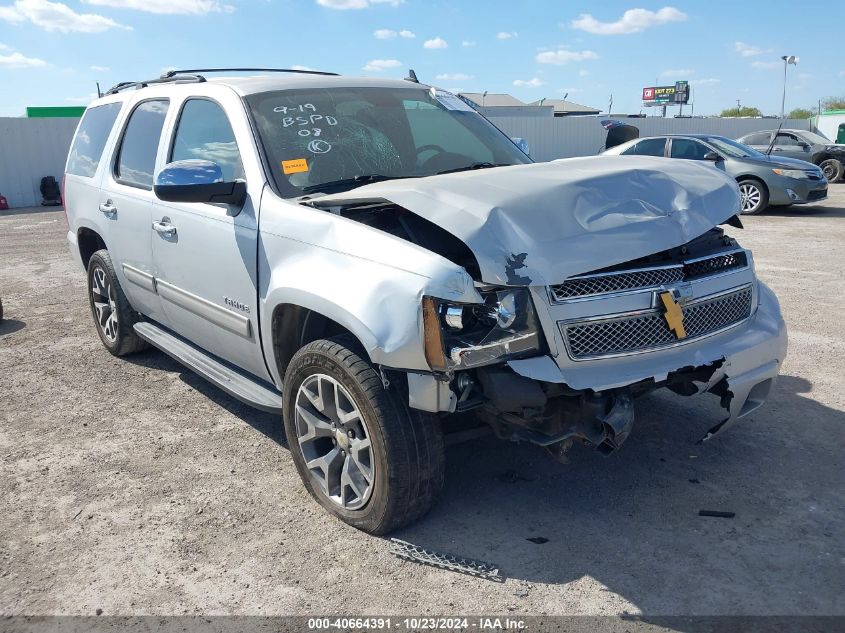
{"points": [[336, 267]]}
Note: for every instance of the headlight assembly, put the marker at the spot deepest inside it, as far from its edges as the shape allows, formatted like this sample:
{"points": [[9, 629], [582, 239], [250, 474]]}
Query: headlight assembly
{"points": [[790, 173], [462, 336]]}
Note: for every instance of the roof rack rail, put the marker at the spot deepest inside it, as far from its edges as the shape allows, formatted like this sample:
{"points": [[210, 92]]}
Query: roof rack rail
{"points": [[171, 73], [164, 79]]}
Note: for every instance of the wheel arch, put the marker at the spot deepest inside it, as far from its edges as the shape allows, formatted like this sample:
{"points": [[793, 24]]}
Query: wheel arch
{"points": [[756, 179], [295, 324], [89, 241]]}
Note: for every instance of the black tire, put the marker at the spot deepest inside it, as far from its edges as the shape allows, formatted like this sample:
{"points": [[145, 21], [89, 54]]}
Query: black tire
{"points": [[1, 309], [762, 196], [125, 341], [407, 445], [832, 169]]}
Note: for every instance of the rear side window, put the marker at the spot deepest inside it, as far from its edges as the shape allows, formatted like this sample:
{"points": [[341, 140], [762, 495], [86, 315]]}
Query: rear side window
{"points": [[90, 139], [138, 149], [204, 132], [647, 147]]}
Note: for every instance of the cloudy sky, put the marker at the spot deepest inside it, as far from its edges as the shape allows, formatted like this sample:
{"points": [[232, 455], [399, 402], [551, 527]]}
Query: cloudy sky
{"points": [[52, 53]]}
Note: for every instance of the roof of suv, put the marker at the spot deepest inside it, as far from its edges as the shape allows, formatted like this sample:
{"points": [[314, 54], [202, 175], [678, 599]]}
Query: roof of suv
{"points": [[252, 84]]}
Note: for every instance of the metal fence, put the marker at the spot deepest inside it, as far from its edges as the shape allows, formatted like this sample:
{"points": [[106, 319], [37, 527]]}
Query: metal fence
{"points": [[29, 150], [565, 137], [33, 148]]}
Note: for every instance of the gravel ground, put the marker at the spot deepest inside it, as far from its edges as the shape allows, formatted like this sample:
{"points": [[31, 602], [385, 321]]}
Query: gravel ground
{"points": [[134, 487]]}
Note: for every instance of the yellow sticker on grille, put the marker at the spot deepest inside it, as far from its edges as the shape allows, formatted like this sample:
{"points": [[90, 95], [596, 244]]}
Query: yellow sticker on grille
{"points": [[294, 166]]}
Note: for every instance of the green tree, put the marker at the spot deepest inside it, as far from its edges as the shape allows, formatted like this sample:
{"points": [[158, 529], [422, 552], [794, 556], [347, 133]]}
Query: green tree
{"points": [[833, 103], [743, 111], [800, 113]]}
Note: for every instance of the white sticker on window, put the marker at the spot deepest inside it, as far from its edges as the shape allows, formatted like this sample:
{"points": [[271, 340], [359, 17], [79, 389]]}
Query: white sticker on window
{"points": [[450, 101]]}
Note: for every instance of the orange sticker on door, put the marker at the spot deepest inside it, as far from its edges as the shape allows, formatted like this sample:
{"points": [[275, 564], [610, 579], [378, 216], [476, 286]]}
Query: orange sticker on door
{"points": [[294, 166]]}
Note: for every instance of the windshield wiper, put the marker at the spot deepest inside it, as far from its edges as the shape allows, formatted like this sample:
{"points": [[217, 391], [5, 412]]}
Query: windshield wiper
{"points": [[483, 165], [349, 182]]}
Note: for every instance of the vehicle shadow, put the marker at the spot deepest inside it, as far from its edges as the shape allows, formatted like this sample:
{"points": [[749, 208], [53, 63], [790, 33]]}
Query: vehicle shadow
{"points": [[808, 210], [630, 521], [8, 326], [266, 423]]}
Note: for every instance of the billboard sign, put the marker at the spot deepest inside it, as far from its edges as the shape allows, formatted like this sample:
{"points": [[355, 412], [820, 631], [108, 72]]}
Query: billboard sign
{"points": [[666, 95]]}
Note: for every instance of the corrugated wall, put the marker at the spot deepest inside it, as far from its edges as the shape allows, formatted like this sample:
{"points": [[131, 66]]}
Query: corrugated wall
{"points": [[565, 137], [33, 148], [29, 150]]}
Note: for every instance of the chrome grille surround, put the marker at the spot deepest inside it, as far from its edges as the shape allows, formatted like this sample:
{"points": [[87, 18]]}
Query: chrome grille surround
{"points": [[647, 330], [634, 280], [607, 283]]}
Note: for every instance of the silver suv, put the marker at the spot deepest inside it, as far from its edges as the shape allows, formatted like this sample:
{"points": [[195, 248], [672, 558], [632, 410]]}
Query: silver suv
{"points": [[366, 257]]}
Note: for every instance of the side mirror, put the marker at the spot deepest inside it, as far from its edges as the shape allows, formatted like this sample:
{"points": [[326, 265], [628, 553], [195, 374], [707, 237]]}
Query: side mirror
{"points": [[197, 181], [804, 146], [522, 144], [713, 156]]}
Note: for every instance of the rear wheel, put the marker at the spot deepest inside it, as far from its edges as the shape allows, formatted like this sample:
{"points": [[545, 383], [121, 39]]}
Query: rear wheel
{"points": [[361, 452], [754, 197], [832, 169], [113, 315]]}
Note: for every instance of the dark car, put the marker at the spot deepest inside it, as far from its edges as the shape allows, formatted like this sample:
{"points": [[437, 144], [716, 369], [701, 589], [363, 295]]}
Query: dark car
{"points": [[803, 145]]}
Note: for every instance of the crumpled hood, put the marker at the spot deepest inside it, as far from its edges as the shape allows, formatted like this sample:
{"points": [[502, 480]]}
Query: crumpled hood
{"points": [[540, 223]]}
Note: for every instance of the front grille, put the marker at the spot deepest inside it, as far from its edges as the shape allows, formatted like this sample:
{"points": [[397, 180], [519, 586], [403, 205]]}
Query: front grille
{"points": [[645, 331], [813, 174], [604, 284], [817, 195], [644, 278], [714, 265]]}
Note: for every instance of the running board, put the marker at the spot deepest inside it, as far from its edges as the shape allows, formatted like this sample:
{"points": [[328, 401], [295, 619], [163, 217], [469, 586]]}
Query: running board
{"points": [[246, 389]]}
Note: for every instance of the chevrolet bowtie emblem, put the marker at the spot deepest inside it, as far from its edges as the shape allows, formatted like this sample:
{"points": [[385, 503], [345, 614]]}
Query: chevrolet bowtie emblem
{"points": [[674, 315]]}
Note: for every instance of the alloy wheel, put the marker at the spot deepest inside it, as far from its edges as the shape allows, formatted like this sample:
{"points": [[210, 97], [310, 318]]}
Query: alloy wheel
{"points": [[335, 441], [750, 197], [829, 170], [105, 304]]}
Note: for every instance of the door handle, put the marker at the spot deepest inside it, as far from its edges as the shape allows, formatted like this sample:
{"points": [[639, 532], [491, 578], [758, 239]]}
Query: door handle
{"points": [[164, 228], [108, 208]]}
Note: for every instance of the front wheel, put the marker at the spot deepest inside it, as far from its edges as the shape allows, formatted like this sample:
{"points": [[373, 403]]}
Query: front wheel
{"points": [[361, 452], [754, 197], [832, 169]]}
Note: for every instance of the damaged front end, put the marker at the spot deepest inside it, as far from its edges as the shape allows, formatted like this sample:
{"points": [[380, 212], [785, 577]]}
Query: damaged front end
{"points": [[693, 319], [598, 280]]}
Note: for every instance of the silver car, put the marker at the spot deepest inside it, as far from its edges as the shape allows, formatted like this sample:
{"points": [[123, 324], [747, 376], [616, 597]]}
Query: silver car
{"points": [[763, 180]]}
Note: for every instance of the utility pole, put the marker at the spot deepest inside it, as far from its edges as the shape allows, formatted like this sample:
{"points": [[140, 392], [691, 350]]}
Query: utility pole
{"points": [[787, 60]]}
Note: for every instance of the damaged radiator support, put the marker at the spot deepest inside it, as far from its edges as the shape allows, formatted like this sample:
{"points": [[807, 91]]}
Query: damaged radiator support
{"points": [[522, 410], [553, 416], [605, 431]]}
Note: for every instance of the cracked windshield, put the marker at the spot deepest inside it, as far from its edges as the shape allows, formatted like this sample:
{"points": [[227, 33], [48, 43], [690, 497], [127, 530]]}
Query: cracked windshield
{"points": [[331, 140]]}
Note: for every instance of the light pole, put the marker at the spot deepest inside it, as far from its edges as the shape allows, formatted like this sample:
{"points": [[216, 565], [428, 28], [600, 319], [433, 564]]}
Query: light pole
{"points": [[787, 60]]}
